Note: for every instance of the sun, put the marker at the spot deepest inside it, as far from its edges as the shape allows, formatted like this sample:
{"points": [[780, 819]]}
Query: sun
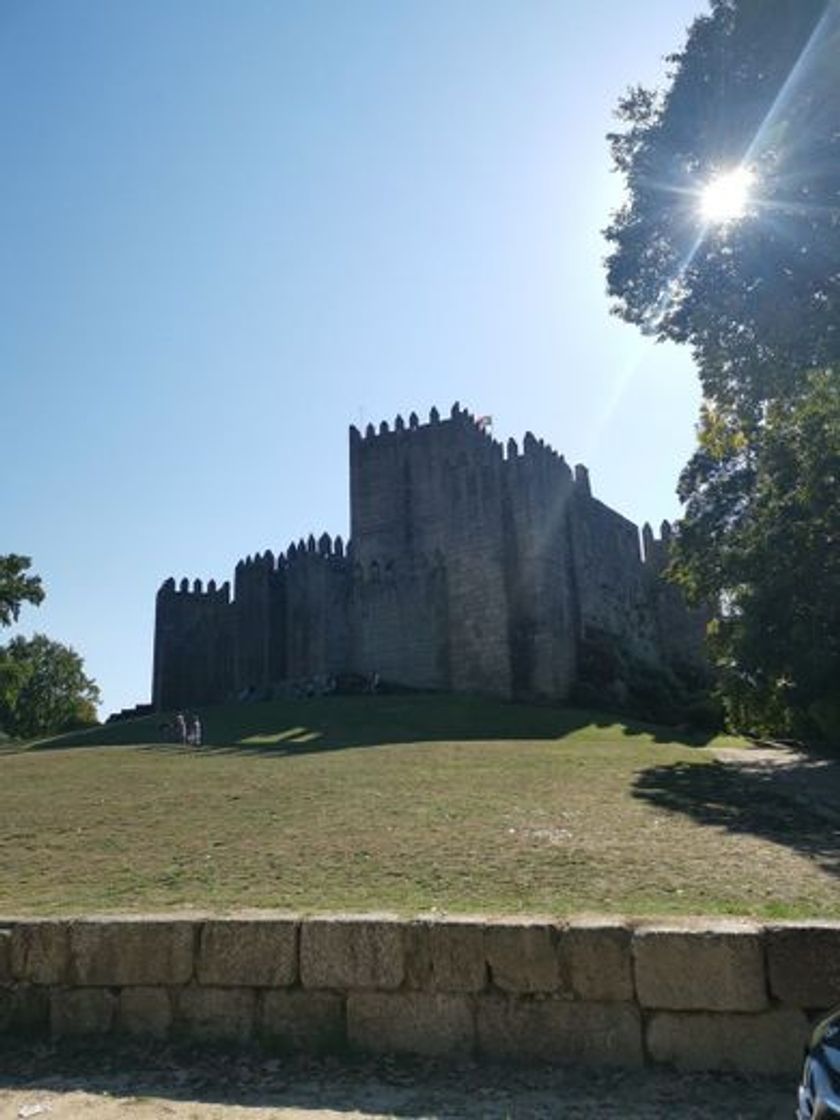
{"points": [[726, 197]]}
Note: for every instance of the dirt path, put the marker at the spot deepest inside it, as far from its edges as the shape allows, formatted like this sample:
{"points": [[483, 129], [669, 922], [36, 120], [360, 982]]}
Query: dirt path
{"points": [[63, 1085], [811, 780]]}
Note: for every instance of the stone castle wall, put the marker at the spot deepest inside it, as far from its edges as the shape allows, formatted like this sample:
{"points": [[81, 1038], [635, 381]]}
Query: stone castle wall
{"points": [[401, 626], [317, 618], [701, 994], [434, 489], [194, 644], [473, 567], [611, 582]]}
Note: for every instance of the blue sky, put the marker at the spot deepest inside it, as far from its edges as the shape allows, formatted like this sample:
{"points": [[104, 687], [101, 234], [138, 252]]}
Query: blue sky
{"points": [[231, 229]]}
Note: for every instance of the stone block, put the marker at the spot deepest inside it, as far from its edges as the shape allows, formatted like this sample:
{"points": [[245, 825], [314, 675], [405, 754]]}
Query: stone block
{"points": [[770, 1043], [523, 957], [40, 952], [222, 1014], [5, 956], [352, 952], [143, 951], [803, 964], [254, 953], [719, 967], [24, 1010], [303, 1020], [595, 956], [446, 955], [81, 1011], [410, 1023], [145, 1012], [561, 1031]]}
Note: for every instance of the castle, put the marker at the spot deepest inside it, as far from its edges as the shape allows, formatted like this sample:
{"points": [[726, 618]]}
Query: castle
{"points": [[471, 568]]}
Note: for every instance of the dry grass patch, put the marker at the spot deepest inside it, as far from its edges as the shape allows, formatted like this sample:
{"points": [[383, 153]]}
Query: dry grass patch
{"points": [[406, 804]]}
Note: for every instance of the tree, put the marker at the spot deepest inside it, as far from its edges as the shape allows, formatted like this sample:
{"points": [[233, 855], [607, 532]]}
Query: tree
{"points": [[758, 300], [43, 688], [16, 587], [755, 92], [762, 532]]}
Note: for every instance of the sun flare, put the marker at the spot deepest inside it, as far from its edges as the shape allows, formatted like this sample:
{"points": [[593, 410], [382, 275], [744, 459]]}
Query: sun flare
{"points": [[726, 197]]}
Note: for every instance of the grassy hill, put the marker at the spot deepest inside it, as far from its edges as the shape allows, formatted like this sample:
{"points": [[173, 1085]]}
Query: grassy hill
{"points": [[407, 803]]}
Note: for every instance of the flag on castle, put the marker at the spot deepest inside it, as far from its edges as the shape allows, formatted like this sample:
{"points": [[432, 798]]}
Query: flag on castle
{"points": [[485, 423]]}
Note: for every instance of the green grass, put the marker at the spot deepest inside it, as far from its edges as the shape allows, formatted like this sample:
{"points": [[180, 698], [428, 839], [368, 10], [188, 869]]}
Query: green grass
{"points": [[408, 804]]}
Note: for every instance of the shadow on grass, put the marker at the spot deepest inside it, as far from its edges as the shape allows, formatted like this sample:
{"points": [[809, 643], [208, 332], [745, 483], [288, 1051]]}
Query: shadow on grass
{"points": [[780, 803], [292, 727]]}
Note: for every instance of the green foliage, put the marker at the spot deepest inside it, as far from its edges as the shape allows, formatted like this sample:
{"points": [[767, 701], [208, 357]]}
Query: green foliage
{"points": [[758, 300], [762, 529], [16, 587], [613, 679], [43, 688]]}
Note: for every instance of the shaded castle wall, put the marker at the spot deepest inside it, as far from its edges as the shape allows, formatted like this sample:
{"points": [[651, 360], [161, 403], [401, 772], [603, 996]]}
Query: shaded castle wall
{"points": [[292, 616], [259, 613], [318, 591], [542, 633], [680, 629], [194, 645], [612, 586], [423, 489]]}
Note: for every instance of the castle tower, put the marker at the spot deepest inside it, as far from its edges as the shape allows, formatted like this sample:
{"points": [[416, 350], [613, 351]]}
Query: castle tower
{"points": [[434, 491]]}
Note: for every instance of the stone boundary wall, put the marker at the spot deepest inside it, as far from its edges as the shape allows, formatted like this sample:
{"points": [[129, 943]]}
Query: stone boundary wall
{"points": [[698, 995]]}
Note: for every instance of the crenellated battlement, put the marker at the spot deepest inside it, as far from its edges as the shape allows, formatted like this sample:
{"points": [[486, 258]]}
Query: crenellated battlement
{"points": [[260, 561], [465, 434], [196, 590], [459, 418], [305, 549], [325, 549], [655, 551]]}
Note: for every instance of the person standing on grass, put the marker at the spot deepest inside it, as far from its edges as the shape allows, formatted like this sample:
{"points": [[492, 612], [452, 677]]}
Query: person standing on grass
{"points": [[195, 730], [180, 729]]}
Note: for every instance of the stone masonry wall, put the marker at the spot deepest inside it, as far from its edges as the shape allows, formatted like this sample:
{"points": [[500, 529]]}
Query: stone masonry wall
{"points": [[543, 620], [254, 588], [401, 628], [318, 588], [611, 581], [194, 644], [429, 489], [714, 995]]}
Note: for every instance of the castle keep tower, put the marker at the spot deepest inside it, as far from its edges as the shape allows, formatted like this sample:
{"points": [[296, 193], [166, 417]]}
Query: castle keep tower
{"points": [[473, 567], [425, 507]]}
